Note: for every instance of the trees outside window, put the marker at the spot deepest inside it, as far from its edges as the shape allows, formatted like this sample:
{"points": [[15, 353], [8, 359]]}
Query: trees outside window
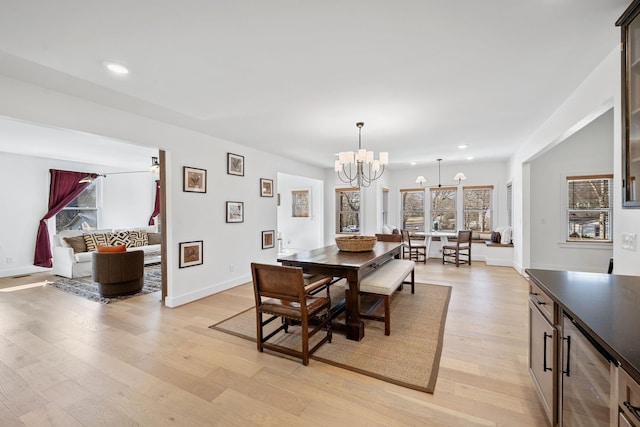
{"points": [[347, 210], [443, 208], [81, 213], [476, 205], [412, 209], [589, 208]]}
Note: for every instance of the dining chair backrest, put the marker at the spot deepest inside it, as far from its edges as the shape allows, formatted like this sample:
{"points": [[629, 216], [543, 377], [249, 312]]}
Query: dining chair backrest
{"points": [[464, 237], [277, 281]]}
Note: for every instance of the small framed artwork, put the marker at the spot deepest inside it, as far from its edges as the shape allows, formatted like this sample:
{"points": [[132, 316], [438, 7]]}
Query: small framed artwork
{"points": [[190, 253], [235, 211], [235, 164], [268, 239], [266, 187], [195, 180], [300, 203]]}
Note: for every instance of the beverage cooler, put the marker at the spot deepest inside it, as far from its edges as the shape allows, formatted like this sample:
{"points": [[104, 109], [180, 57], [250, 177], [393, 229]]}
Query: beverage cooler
{"points": [[585, 385]]}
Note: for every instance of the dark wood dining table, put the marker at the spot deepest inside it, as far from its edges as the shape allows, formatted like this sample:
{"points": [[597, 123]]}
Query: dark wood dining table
{"points": [[352, 266]]}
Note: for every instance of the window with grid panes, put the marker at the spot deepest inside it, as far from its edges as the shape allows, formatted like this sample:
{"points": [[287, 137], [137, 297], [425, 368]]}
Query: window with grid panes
{"points": [[82, 212], [412, 206], [476, 205], [347, 210], [443, 208], [589, 208]]}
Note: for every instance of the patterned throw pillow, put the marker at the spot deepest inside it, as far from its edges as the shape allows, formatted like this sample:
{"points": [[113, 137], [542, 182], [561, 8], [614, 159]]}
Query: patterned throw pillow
{"points": [[138, 239], [92, 240], [119, 238]]}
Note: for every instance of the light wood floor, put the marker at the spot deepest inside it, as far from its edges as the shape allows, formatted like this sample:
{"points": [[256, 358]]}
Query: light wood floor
{"points": [[66, 361]]}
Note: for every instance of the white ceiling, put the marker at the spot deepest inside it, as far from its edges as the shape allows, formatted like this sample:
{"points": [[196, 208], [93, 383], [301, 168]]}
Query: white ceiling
{"points": [[294, 76]]}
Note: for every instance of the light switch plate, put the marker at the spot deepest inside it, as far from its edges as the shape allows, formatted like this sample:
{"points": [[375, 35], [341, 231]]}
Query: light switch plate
{"points": [[629, 241]]}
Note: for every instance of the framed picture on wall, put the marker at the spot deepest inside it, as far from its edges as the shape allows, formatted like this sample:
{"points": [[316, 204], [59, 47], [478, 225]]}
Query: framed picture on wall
{"points": [[300, 203], [268, 239], [194, 180], [266, 187], [235, 211], [235, 164], [190, 253]]}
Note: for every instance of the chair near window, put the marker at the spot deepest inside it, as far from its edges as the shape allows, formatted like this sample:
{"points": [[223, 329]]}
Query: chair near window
{"points": [[280, 292], [417, 252], [460, 253]]}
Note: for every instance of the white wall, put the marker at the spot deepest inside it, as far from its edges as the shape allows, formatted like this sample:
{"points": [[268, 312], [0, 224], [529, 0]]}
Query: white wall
{"points": [[127, 200], [587, 152], [25, 194], [595, 95], [228, 248], [300, 233]]}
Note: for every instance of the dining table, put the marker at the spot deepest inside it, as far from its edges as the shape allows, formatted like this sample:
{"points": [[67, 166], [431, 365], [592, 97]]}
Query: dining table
{"points": [[429, 235], [352, 266]]}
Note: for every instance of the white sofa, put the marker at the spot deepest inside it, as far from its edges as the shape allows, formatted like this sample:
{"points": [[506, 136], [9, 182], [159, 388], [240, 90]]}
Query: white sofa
{"points": [[72, 264]]}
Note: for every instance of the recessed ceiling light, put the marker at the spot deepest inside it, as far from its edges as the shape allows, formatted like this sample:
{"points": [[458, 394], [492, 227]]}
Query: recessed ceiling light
{"points": [[116, 68], [412, 163], [462, 146], [469, 158]]}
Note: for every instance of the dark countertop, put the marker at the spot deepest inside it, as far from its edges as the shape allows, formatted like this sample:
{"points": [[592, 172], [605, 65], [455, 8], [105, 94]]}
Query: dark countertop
{"points": [[607, 306]]}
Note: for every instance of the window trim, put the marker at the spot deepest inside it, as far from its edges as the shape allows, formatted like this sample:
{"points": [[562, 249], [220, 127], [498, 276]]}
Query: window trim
{"points": [[338, 212], [510, 204], [491, 206], [565, 242], [455, 204], [52, 223], [424, 200]]}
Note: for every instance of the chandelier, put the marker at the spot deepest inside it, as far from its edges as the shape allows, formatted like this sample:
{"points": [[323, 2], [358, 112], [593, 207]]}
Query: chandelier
{"points": [[359, 169]]}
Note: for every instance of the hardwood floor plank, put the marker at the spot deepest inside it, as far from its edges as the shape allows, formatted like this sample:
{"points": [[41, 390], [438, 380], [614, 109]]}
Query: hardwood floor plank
{"points": [[49, 415], [66, 360]]}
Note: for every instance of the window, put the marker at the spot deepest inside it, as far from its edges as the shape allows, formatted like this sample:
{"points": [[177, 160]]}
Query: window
{"points": [[476, 204], [81, 213], [348, 210], [510, 204], [589, 208], [412, 209], [443, 208]]}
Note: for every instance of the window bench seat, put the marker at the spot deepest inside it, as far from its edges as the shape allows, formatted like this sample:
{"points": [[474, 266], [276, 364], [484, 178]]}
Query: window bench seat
{"points": [[498, 245]]}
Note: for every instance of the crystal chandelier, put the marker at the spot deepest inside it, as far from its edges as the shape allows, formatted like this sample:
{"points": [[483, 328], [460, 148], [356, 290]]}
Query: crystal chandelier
{"points": [[359, 169]]}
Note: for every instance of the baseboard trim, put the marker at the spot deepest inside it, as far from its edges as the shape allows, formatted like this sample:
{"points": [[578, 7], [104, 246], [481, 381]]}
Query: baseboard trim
{"points": [[205, 292]]}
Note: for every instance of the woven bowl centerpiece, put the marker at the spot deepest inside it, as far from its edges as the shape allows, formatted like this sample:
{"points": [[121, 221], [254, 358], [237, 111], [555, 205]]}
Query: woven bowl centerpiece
{"points": [[356, 243]]}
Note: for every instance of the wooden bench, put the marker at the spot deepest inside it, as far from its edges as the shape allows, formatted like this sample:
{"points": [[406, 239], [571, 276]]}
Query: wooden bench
{"points": [[383, 282]]}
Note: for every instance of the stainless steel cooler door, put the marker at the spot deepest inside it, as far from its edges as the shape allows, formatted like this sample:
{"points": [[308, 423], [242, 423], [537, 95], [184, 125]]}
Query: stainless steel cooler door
{"points": [[585, 380]]}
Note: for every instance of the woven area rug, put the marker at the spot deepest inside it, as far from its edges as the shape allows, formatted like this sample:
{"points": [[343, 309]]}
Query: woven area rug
{"points": [[86, 288], [409, 357]]}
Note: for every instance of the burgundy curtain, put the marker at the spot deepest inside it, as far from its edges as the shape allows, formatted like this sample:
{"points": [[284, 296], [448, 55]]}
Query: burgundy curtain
{"points": [[156, 206], [65, 187]]}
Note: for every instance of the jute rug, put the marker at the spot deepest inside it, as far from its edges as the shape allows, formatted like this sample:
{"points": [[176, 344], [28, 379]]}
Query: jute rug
{"points": [[86, 288], [409, 357]]}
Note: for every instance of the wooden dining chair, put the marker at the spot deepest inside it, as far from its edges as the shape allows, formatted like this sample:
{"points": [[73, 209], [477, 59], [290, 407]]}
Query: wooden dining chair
{"points": [[280, 292], [417, 252], [460, 253]]}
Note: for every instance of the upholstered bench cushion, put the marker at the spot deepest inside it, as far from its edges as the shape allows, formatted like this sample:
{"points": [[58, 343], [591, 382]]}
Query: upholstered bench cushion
{"points": [[386, 279]]}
